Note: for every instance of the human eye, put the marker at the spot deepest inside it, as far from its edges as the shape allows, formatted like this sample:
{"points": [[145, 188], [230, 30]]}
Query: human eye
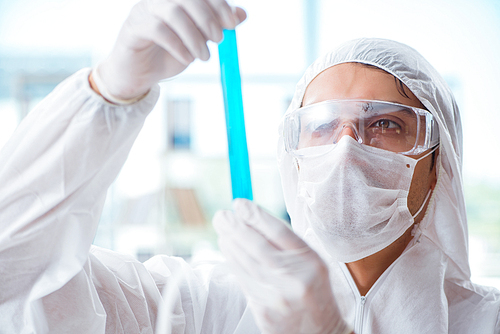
{"points": [[382, 125], [385, 124]]}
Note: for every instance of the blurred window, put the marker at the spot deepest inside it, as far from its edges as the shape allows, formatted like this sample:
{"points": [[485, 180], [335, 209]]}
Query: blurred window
{"points": [[179, 124]]}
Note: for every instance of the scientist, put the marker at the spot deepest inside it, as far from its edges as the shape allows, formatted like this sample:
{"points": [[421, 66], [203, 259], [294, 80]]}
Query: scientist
{"points": [[370, 156]]}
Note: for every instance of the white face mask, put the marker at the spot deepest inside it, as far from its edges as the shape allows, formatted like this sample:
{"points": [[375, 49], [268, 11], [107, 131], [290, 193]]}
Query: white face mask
{"points": [[354, 198]]}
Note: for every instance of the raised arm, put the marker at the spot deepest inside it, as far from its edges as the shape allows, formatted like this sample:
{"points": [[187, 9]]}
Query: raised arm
{"points": [[56, 168], [55, 171]]}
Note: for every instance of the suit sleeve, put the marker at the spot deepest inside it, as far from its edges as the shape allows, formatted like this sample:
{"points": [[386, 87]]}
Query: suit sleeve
{"points": [[54, 174]]}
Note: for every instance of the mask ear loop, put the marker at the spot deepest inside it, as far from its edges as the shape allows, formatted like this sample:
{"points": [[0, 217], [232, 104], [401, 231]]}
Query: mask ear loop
{"points": [[416, 231], [423, 204], [428, 153], [416, 227]]}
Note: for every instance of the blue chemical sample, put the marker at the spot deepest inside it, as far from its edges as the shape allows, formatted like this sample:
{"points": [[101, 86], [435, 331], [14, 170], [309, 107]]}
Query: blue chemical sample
{"points": [[235, 122]]}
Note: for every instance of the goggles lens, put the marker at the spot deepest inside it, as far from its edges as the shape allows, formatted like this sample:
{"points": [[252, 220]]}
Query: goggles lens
{"points": [[385, 125]]}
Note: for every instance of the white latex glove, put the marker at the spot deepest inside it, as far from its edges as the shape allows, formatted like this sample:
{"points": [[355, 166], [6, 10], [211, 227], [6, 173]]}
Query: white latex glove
{"points": [[158, 40], [286, 283]]}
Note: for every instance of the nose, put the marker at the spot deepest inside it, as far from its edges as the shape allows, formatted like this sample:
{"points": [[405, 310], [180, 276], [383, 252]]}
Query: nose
{"points": [[348, 130]]}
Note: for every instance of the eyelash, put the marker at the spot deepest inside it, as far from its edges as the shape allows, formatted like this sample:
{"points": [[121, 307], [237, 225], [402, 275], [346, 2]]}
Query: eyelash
{"points": [[386, 120]]}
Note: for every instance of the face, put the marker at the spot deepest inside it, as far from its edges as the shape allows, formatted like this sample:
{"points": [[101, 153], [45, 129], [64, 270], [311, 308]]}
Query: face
{"points": [[356, 81]]}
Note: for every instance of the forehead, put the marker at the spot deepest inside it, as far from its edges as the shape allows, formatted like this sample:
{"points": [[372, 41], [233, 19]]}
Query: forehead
{"points": [[357, 81]]}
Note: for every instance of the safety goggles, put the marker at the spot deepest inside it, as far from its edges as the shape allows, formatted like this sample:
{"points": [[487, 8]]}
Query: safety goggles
{"points": [[385, 125]]}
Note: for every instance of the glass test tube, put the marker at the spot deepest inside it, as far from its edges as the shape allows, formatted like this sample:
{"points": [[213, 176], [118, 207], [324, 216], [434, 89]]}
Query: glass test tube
{"points": [[235, 122]]}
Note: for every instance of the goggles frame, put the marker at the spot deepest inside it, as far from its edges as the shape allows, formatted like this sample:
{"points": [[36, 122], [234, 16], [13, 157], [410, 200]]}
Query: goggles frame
{"points": [[430, 130]]}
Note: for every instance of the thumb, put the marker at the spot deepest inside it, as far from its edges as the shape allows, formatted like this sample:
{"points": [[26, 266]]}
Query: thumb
{"points": [[269, 226]]}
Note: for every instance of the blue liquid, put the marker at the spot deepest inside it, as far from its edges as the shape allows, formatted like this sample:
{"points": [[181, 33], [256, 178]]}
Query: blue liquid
{"points": [[235, 122]]}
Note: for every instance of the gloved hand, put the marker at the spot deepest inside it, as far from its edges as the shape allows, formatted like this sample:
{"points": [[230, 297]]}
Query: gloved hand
{"points": [[158, 40], [286, 283]]}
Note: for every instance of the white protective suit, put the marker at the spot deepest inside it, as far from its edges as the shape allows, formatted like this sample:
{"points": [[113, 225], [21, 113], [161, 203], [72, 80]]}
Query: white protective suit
{"points": [[428, 288], [54, 173], [56, 169]]}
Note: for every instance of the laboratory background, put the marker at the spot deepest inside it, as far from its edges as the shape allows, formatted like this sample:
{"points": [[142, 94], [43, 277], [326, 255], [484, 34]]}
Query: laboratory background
{"points": [[177, 174]]}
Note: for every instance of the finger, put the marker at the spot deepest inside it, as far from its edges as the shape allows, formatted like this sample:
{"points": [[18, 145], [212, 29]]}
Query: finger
{"points": [[269, 226], [236, 258], [248, 271], [248, 240], [247, 264], [224, 12], [268, 285], [203, 17], [240, 14], [261, 260], [223, 221], [177, 19], [160, 34], [253, 288], [253, 248]]}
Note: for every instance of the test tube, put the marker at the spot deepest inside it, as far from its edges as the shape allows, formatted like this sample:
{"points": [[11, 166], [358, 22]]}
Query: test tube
{"points": [[241, 183]]}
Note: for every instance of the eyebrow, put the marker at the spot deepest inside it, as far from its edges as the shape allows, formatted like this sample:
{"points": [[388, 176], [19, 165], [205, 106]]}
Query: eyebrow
{"points": [[408, 112], [405, 109], [420, 107], [399, 102]]}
